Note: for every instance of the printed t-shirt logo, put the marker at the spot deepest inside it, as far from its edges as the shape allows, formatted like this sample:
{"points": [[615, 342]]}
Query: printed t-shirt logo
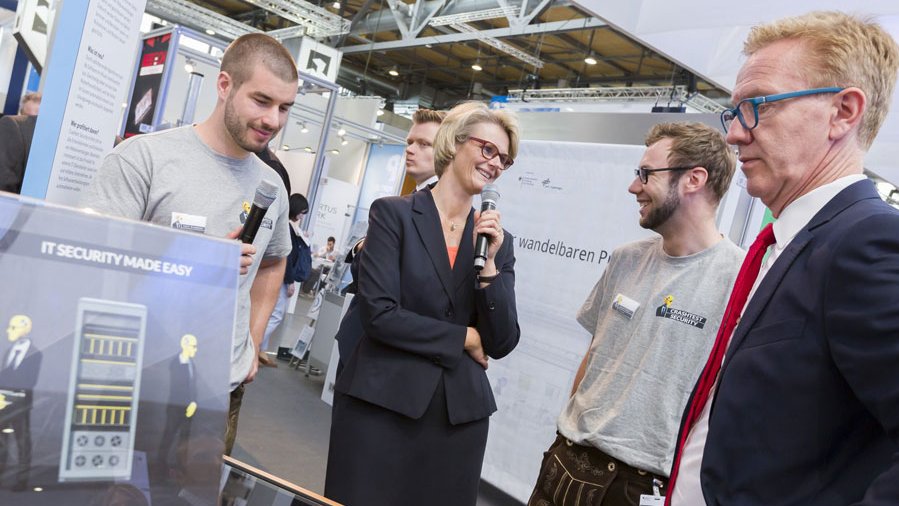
{"points": [[679, 315], [266, 222]]}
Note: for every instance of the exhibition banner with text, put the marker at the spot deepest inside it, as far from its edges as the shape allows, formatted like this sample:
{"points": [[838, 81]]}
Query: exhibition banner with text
{"points": [[114, 370], [87, 81], [568, 208]]}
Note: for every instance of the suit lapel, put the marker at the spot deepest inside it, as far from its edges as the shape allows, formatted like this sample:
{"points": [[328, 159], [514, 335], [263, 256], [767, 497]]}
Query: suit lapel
{"points": [[765, 290], [427, 223], [850, 195], [463, 269]]}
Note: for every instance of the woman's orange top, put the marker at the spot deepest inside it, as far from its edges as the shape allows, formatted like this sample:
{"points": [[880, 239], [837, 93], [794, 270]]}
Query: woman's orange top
{"points": [[452, 251]]}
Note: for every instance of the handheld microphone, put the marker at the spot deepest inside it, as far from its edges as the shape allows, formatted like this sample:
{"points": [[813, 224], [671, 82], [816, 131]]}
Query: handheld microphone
{"points": [[265, 195], [489, 198]]}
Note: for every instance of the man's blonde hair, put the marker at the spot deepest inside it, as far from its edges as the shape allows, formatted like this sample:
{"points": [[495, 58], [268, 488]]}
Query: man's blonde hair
{"points": [[842, 50], [698, 145], [428, 116], [458, 124]]}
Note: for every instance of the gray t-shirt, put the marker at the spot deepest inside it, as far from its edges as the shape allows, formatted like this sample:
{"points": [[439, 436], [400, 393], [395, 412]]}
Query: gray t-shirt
{"points": [[641, 370], [173, 179]]}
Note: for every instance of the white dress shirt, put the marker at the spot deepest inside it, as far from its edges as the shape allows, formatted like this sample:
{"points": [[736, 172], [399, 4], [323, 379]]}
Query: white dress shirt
{"points": [[687, 490], [425, 183], [17, 353]]}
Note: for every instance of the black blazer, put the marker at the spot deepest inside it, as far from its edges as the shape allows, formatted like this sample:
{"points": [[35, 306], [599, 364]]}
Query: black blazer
{"points": [[182, 386], [16, 133], [414, 311], [807, 408], [22, 379]]}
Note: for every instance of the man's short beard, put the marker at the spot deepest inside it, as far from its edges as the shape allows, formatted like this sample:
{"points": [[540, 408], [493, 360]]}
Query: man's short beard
{"points": [[237, 130], [660, 214]]}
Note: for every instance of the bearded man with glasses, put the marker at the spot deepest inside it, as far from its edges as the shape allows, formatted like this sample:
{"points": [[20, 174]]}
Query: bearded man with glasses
{"points": [[653, 316], [803, 406]]}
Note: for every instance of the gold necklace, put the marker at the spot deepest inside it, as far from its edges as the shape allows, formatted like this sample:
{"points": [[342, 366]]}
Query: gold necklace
{"points": [[452, 223]]}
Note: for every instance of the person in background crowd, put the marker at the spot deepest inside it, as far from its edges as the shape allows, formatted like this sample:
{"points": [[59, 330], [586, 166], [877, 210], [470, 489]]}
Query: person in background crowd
{"points": [[411, 407], [31, 104], [653, 316], [803, 406], [299, 265], [16, 133], [327, 252], [420, 147]]}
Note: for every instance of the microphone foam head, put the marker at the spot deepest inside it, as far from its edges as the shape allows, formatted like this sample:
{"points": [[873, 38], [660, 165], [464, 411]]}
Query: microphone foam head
{"points": [[490, 192], [266, 193]]}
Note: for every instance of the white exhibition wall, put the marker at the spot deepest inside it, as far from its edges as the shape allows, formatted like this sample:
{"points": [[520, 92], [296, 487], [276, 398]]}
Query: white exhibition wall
{"points": [[582, 210], [706, 37]]}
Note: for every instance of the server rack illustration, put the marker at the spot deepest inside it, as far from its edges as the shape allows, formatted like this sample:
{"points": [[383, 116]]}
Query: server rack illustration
{"points": [[104, 386]]}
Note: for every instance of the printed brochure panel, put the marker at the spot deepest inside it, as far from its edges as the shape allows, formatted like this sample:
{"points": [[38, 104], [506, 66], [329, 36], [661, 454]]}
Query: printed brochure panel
{"points": [[114, 365]]}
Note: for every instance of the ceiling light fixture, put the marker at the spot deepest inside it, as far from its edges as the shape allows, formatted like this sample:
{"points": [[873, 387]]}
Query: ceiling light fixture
{"points": [[285, 148], [189, 66], [307, 149], [210, 31], [333, 151], [303, 128], [393, 71], [590, 59], [336, 5], [344, 141], [341, 131], [476, 66]]}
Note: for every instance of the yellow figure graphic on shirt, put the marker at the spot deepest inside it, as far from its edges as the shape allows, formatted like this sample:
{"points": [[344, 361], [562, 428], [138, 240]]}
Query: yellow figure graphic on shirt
{"points": [[668, 300]]}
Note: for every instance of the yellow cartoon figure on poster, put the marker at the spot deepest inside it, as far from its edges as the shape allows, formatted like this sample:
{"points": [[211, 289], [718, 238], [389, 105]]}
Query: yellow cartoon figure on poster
{"points": [[18, 377]]}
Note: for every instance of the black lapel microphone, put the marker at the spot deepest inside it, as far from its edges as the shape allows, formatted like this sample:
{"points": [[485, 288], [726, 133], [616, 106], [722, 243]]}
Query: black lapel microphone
{"points": [[265, 195], [489, 198]]}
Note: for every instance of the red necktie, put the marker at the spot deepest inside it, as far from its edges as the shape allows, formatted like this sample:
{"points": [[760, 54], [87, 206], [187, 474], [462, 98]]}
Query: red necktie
{"points": [[749, 271]]}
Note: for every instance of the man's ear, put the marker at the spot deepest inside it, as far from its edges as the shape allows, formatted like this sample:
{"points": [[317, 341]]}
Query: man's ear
{"points": [[849, 107], [223, 85], [695, 179]]}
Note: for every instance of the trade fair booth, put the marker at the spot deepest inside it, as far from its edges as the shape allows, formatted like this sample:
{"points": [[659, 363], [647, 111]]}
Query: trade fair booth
{"points": [[128, 325]]}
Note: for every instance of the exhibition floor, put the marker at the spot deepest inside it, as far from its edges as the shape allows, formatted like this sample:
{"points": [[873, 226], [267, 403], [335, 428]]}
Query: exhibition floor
{"points": [[284, 424]]}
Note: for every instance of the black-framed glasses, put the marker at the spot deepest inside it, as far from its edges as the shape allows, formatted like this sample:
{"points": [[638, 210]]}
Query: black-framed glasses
{"points": [[643, 174], [747, 110], [490, 151]]}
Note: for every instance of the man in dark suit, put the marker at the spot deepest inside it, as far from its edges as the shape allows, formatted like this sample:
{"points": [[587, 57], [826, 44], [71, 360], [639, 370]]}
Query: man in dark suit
{"points": [[805, 409], [182, 401], [16, 133], [18, 376]]}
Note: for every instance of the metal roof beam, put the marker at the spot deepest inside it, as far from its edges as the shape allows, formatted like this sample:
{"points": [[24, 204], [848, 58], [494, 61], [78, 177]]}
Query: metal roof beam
{"points": [[191, 14], [319, 21], [422, 18], [500, 45], [468, 17], [571, 25]]}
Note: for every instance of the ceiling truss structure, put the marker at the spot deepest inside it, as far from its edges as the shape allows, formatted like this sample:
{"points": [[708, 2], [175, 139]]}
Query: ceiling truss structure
{"points": [[678, 94], [190, 14], [435, 44], [495, 33], [319, 22]]}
